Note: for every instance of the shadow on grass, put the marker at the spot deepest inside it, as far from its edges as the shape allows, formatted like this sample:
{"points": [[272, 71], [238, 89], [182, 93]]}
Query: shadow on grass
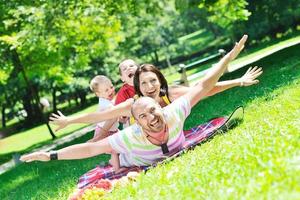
{"points": [[280, 69]]}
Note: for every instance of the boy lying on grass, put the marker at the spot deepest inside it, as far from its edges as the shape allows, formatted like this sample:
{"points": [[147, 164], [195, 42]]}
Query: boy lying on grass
{"points": [[158, 132]]}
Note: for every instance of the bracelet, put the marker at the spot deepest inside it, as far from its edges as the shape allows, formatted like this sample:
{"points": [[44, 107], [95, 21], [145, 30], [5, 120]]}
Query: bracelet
{"points": [[53, 155]]}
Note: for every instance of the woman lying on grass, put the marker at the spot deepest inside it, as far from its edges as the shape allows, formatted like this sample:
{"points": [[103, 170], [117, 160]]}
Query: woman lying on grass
{"points": [[158, 132]]}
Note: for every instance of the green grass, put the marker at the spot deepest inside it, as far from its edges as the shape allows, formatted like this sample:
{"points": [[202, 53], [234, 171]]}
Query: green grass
{"points": [[257, 160]]}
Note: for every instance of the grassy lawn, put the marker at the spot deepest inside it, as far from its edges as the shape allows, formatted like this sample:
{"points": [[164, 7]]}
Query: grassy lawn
{"points": [[257, 160]]}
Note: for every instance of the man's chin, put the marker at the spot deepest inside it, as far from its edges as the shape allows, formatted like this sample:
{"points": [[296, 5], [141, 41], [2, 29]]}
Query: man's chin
{"points": [[158, 129]]}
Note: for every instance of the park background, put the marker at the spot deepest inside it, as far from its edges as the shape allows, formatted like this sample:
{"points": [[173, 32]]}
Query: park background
{"points": [[51, 49]]}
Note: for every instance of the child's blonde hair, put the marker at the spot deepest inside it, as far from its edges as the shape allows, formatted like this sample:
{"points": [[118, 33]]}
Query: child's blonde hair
{"points": [[98, 80]]}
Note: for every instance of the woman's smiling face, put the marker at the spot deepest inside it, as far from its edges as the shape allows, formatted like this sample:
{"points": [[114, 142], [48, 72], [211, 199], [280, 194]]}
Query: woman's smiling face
{"points": [[149, 84]]}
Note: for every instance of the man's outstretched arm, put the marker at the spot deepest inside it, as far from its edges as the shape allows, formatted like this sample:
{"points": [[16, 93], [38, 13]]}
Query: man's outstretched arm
{"points": [[77, 151]]}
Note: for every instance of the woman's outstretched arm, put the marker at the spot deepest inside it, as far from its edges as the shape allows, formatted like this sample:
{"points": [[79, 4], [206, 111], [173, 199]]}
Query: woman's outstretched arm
{"points": [[248, 79]]}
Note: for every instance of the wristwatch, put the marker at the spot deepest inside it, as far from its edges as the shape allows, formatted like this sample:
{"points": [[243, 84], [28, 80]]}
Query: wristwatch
{"points": [[53, 155]]}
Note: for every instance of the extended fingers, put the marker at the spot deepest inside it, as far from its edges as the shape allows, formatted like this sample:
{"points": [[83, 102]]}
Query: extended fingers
{"points": [[256, 71], [253, 69], [257, 74], [60, 113], [53, 119], [249, 69], [243, 40]]}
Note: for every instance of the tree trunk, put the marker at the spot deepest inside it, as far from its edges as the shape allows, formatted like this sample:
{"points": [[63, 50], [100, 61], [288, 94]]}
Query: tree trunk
{"points": [[82, 97], [76, 99], [33, 95], [156, 57], [3, 116], [54, 99], [27, 106], [69, 102]]}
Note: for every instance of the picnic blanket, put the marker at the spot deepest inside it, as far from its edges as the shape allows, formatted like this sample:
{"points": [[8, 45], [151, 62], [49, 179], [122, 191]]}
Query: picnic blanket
{"points": [[193, 137]]}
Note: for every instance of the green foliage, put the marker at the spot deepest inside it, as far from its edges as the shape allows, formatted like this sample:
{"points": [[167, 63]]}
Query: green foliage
{"points": [[56, 43], [269, 18], [225, 13], [218, 16]]}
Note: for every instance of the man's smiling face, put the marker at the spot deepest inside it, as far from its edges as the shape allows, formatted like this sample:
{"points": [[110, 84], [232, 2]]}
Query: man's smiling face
{"points": [[149, 115]]}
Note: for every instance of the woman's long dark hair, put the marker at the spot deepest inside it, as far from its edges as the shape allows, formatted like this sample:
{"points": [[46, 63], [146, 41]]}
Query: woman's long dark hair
{"points": [[153, 69]]}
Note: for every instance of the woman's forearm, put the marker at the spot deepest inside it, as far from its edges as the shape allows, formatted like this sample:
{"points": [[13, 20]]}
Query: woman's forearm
{"points": [[176, 92], [223, 85]]}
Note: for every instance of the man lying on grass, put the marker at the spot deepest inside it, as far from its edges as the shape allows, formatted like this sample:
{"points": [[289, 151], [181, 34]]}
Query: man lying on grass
{"points": [[158, 132]]}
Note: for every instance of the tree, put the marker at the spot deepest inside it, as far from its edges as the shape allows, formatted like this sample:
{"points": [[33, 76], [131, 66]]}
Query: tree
{"points": [[217, 16]]}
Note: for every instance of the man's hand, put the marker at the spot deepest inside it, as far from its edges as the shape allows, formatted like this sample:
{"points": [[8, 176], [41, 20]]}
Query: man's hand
{"points": [[40, 156], [59, 120], [239, 46], [249, 78]]}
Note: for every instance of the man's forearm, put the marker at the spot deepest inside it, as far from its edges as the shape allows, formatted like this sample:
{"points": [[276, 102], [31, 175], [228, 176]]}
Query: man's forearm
{"points": [[85, 150]]}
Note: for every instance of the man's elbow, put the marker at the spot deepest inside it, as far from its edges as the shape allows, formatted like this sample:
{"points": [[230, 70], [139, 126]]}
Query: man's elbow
{"points": [[99, 147]]}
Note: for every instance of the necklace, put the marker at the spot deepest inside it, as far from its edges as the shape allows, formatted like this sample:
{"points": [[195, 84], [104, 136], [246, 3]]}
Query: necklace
{"points": [[163, 146]]}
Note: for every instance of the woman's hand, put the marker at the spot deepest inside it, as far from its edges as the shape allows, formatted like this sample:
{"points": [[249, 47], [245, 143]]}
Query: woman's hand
{"points": [[249, 78], [59, 120], [40, 156], [239, 46]]}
